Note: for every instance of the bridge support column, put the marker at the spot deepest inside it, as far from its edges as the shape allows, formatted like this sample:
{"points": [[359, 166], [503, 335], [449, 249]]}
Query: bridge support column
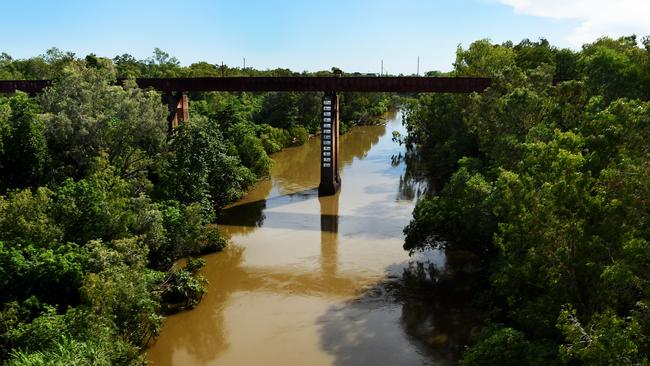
{"points": [[330, 181], [178, 108]]}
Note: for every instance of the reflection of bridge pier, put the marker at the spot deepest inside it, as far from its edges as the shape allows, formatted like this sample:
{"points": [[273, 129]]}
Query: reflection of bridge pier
{"points": [[329, 229]]}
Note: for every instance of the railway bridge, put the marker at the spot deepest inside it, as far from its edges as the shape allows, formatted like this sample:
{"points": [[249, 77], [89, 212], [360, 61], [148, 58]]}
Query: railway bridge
{"points": [[175, 96]]}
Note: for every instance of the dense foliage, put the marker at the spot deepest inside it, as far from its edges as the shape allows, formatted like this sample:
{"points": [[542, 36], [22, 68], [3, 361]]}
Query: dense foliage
{"points": [[82, 244], [549, 184], [99, 199]]}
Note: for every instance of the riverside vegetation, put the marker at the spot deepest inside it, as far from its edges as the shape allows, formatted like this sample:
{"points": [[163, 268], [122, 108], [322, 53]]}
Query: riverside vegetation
{"points": [[549, 185], [99, 201], [545, 183]]}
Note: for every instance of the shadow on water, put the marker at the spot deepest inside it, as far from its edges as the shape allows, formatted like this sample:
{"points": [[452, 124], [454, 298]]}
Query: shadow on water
{"points": [[251, 214], [246, 217], [434, 305]]}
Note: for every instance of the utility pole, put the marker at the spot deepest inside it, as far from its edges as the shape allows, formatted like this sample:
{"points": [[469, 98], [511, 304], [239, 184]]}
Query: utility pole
{"points": [[222, 70], [382, 68], [418, 73], [244, 63]]}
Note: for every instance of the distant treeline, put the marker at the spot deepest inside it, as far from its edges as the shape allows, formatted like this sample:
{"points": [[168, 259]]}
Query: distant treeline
{"points": [[549, 185], [98, 199]]}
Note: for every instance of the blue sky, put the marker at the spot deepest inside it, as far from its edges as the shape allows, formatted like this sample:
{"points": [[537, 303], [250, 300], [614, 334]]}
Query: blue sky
{"points": [[354, 35]]}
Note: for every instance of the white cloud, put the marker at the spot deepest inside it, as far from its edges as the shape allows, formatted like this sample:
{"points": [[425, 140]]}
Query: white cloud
{"points": [[596, 18]]}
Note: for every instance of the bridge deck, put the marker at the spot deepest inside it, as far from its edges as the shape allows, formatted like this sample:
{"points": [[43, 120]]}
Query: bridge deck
{"points": [[290, 83]]}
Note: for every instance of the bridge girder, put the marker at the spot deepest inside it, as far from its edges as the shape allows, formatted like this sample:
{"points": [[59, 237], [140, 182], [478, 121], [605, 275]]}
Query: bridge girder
{"points": [[398, 84]]}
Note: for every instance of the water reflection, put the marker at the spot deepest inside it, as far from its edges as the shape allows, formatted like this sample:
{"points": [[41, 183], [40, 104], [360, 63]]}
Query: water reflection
{"points": [[297, 168], [413, 183], [433, 302], [251, 213], [440, 308], [329, 229]]}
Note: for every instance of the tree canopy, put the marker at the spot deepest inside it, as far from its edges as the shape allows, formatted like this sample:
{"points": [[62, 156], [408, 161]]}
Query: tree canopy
{"points": [[548, 183]]}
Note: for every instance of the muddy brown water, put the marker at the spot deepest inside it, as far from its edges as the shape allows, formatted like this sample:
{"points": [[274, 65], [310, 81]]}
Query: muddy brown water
{"points": [[319, 281]]}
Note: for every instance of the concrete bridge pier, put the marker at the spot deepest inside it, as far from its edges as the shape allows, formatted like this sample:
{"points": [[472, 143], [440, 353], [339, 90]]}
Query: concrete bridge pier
{"points": [[330, 181], [178, 108]]}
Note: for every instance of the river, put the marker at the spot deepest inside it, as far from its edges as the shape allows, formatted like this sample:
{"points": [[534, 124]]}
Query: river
{"points": [[323, 281]]}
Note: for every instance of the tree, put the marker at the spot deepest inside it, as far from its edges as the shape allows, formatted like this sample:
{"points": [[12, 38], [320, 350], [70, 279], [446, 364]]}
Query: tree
{"points": [[507, 346], [87, 115], [280, 110], [120, 288], [200, 169], [530, 55], [127, 66], [23, 151], [26, 218], [161, 64], [554, 197], [483, 59]]}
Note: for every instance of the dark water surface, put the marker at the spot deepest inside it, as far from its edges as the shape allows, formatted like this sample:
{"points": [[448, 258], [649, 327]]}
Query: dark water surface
{"points": [[325, 281]]}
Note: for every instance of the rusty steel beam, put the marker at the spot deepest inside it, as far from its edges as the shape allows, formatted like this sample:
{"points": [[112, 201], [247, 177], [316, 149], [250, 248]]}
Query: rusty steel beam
{"points": [[289, 83], [28, 86], [320, 84]]}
